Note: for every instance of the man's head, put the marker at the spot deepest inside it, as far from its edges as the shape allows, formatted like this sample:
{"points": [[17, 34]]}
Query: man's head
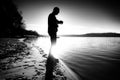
{"points": [[56, 10]]}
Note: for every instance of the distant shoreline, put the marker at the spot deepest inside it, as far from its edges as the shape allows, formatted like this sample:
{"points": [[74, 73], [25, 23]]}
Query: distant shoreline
{"points": [[94, 35]]}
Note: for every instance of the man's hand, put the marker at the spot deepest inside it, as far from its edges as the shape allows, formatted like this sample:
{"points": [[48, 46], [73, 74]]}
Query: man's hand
{"points": [[61, 22]]}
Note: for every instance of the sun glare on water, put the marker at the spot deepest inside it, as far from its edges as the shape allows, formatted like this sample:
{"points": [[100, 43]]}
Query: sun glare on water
{"points": [[60, 48], [55, 51]]}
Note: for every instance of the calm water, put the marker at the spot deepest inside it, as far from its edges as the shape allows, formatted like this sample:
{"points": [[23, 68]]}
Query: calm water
{"points": [[91, 58]]}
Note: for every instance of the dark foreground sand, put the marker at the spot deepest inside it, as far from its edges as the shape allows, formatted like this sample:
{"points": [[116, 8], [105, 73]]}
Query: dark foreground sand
{"points": [[21, 60]]}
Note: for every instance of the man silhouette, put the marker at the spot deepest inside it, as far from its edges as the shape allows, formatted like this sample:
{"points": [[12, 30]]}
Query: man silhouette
{"points": [[53, 24]]}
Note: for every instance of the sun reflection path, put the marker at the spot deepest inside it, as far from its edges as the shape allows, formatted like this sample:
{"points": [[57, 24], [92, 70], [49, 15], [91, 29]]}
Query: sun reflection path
{"points": [[58, 49]]}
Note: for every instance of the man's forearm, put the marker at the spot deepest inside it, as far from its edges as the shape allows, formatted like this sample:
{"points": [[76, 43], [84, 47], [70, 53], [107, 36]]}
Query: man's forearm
{"points": [[60, 22]]}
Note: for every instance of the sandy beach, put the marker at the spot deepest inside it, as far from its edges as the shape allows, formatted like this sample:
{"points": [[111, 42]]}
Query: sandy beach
{"points": [[22, 60]]}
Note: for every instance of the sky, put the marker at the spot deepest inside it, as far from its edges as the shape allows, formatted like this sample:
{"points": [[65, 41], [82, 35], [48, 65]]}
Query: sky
{"points": [[79, 16]]}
